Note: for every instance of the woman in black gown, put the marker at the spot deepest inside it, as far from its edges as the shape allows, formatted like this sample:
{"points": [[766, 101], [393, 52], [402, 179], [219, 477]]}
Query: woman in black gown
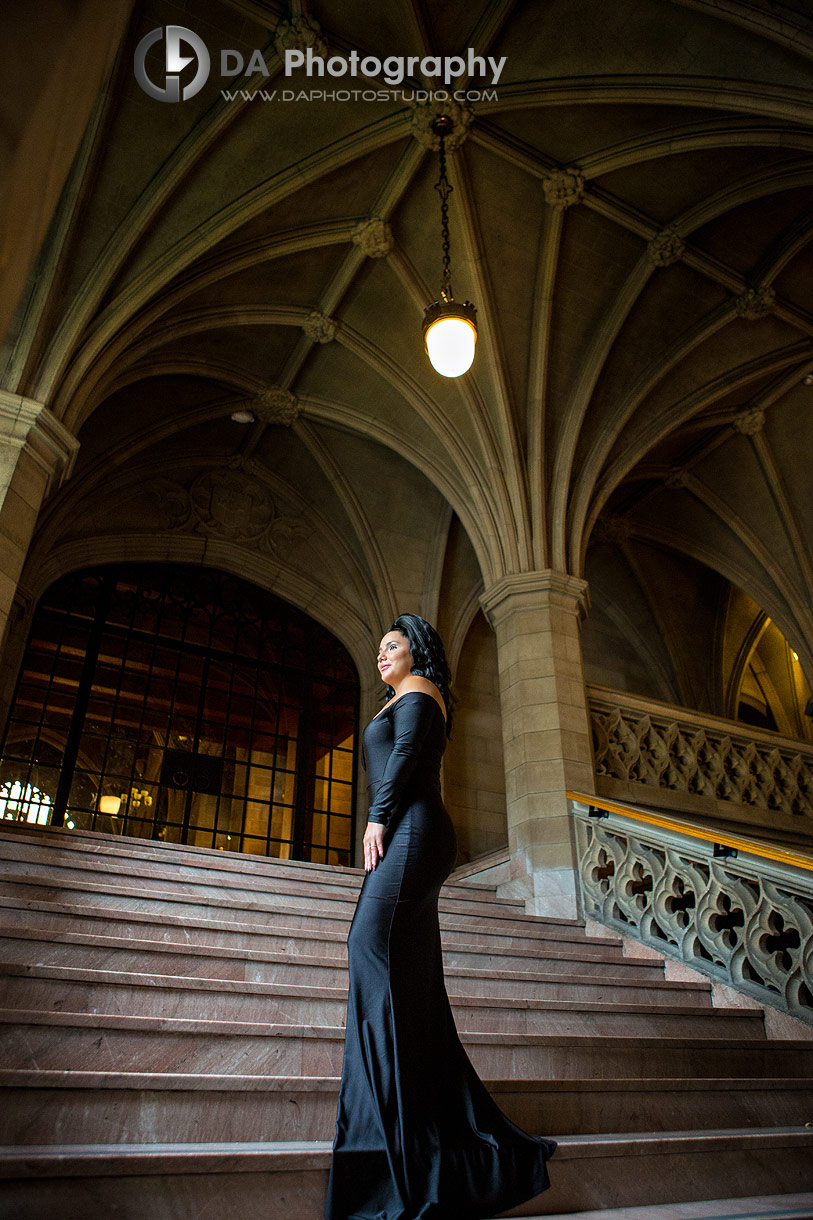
{"points": [[417, 1135]]}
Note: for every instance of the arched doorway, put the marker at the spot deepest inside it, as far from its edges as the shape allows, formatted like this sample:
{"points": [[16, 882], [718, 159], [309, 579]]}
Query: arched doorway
{"points": [[178, 703]]}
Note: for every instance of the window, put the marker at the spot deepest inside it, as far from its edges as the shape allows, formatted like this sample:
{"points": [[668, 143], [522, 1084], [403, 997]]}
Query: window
{"points": [[185, 705], [24, 803]]}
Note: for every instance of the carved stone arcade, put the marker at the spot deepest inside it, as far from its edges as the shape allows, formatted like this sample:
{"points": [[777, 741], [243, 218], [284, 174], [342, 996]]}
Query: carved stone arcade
{"points": [[684, 757]]}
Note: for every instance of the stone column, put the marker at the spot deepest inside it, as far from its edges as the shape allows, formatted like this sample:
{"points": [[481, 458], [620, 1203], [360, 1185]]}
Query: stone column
{"points": [[546, 729], [36, 453]]}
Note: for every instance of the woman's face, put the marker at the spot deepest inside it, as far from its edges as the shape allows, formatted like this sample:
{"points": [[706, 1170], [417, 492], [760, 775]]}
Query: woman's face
{"points": [[394, 658]]}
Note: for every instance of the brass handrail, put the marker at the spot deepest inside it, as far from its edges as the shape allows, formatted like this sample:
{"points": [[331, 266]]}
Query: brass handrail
{"points": [[782, 855]]}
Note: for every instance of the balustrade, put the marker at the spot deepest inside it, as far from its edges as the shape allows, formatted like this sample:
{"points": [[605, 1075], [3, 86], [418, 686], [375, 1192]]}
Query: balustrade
{"points": [[738, 916], [637, 741]]}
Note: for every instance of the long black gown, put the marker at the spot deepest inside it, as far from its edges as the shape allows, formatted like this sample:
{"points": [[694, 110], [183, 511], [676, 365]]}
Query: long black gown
{"points": [[417, 1135]]}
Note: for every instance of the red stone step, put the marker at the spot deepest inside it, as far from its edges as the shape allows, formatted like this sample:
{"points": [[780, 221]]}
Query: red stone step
{"points": [[53, 848], [186, 899], [755, 1207], [186, 1181], [538, 938], [85, 1107], [71, 950], [74, 989], [733, 1046]]}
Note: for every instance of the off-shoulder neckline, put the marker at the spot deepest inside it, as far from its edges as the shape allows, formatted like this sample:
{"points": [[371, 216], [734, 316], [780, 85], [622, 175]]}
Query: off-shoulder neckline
{"points": [[398, 698]]}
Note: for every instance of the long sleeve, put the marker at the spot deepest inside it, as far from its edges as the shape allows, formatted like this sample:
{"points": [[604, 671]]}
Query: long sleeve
{"points": [[412, 716]]}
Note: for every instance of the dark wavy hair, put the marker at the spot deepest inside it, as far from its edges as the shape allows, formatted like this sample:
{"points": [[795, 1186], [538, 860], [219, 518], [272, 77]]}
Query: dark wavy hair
{"points": [[428, 658]]}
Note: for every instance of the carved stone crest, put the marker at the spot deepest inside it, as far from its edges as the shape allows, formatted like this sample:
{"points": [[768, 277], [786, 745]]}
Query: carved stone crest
{"points": [[298, 35], [750, 421], [563, 188], [319, 327], [373, 237], [755, 303], [276, 405], [666, 247], [229, 504], [424, 115]]}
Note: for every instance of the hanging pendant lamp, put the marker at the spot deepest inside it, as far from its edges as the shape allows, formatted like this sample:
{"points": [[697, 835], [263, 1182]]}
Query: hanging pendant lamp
{"points": [[449, 326]]}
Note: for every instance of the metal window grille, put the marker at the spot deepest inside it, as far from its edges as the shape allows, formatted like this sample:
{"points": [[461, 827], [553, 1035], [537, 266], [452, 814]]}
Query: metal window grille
{"points": [[184, 704]]}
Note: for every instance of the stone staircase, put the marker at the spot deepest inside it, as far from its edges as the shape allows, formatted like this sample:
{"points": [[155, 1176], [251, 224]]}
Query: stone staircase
{"points": [[171, 1034]]}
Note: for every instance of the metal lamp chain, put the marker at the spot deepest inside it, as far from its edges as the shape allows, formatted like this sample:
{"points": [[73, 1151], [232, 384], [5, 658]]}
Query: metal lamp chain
{"points": [[444, 189]]}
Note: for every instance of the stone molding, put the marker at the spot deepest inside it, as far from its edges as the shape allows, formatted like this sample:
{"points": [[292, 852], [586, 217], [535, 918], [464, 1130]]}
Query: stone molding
{"points": [[527, 590], [742, 919], [563, 188], [373, 237], [319, 327], [26, 424], [424, 115], [666, 247]]}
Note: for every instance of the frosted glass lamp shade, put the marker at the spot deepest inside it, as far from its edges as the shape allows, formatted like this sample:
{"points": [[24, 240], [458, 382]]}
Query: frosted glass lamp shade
{"points": [[109, 804], [450, 334]]}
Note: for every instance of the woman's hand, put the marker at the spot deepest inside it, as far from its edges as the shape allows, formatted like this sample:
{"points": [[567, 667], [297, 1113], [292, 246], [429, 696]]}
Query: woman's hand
{"points": [[373, 845]]}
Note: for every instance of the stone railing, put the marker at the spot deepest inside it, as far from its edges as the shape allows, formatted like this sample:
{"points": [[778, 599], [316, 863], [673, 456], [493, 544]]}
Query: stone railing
{"points": [[738, 915], [711, 761]]}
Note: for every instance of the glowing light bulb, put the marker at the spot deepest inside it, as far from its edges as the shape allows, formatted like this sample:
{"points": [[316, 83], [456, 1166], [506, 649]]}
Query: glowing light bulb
{"points": [[450, 335]]}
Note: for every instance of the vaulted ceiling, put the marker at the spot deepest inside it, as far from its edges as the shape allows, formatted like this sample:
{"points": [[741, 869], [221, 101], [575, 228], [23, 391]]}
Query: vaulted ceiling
{"points": [[631, 215]]}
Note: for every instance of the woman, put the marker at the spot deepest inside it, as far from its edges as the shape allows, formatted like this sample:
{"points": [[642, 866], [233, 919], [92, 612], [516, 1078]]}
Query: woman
{"points": [[417, 1135]]}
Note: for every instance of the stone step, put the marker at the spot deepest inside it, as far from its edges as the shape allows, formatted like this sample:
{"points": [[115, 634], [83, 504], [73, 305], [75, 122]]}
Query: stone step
{"points": [[53, 848], [59, 1041], [131, 1107], [186, 1181], [75, 989], [244, 893], [241, 904], [463, 966], [758, 1207], [160, 924], [208, 877]]}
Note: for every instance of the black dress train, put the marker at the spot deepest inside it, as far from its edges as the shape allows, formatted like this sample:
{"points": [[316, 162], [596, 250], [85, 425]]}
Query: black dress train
{"points": [[417, 1135]]}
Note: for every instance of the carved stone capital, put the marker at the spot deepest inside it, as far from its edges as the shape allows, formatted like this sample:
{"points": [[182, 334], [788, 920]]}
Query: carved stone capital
{"points": [[666, 247], [750, 421], [319, 327], [28, 426], [424, 115], [563, 188], [299, 34], [373, 237], [276, 405], [534, 590], [755, 303]]}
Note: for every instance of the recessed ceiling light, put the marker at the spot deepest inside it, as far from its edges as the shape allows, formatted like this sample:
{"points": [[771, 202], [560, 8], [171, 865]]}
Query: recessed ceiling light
{"points": [[243, 417]]}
